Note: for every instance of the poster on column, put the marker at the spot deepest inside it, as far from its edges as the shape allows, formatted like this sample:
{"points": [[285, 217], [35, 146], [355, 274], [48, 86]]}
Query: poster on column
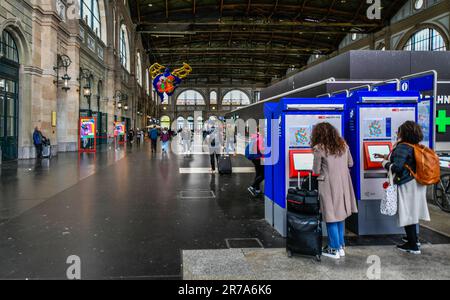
{"points": [[87, 128], [119, 129]]}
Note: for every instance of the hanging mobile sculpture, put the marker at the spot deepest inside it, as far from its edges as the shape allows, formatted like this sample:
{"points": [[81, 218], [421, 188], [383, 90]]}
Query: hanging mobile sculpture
{"points": [[166, 82]]}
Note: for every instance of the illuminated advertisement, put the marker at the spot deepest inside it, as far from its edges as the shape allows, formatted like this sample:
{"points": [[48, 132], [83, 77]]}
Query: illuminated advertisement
{"points": [[87, 128], [119, 128]]}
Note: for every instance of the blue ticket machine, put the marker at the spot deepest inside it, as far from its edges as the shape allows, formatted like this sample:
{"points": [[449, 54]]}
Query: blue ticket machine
{"points": [[289, 126], [373, 119]]}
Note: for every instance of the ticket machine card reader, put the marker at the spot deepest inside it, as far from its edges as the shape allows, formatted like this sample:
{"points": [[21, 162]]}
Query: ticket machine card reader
{"points": [[371, 149]]}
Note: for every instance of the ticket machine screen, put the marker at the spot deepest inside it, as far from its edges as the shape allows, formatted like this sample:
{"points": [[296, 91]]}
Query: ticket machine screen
{"points": [[373, 148], [301, 161]]}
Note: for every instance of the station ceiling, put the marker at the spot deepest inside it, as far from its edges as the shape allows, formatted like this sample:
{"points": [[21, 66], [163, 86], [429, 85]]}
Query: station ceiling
{"points": [[249, 41]]}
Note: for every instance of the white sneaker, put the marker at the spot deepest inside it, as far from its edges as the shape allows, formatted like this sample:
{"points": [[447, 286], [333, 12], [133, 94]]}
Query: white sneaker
{"points": [[342, 252], [331, 253]]}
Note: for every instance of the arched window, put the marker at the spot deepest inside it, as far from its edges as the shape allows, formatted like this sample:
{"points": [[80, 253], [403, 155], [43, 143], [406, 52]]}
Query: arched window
{"points": [[180, 123], [90, 14], [427, 39], [213, 98], [236, 97], [165, 122], [138, 69], [190, 97], [199, 123], [124, 50], [8, 47]]}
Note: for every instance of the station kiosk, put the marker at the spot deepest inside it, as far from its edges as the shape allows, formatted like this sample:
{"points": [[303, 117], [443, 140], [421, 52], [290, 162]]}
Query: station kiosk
{"points": [[373, 119], [289, 125]]}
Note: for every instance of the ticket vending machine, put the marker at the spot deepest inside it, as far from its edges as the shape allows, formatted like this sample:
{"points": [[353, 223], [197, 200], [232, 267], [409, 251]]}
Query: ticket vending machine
{"points": [[373, 119], [291, 123]]}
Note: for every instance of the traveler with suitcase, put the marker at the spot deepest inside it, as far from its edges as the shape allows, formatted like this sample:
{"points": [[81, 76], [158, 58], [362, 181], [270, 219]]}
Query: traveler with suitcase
{"points": [[332, 160], [214, 140], [38, 140]]}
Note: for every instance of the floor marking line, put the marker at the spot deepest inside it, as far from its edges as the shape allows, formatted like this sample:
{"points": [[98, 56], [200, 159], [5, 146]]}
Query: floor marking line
{"points": [[236, 170]]}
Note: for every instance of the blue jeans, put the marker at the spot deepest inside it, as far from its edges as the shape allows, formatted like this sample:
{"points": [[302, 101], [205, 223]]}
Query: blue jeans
{"points": [[336, 232], [165, 146]]}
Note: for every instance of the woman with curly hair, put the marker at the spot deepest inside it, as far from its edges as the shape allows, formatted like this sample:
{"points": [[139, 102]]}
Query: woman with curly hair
{"points": [[332, 160]]}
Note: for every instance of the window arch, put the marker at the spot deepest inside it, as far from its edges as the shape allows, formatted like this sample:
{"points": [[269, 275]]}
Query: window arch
{"points": [[190, 97], [236, 97], [165, 122], [138, 68], [9, 47], [213, 98], [427, 39], [124, 48]]}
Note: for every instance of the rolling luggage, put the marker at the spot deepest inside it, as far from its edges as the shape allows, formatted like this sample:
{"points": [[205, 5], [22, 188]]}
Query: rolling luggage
{"points": [[304, 222], [46, 149], [304, 235], [225, 166], [303, 202]]}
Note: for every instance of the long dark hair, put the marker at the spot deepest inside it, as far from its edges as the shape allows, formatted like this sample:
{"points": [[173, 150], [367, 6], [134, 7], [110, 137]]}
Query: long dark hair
{"points": [[326, 136], [410, 132]]}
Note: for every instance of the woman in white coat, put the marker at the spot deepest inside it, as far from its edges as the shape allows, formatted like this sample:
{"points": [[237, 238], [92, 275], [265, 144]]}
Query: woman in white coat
{"points": [[412, 196]]}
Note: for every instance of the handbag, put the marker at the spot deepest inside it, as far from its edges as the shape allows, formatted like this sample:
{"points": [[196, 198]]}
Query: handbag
{"points": [[389, 203]]}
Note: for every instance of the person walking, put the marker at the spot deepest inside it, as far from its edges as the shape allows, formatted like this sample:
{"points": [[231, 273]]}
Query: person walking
{"points": [[230, 139], [38, 140], [214, 140], [165, 139], [138, 137], [153, 135], [332, 160], [186, 138], [254, 153], [411, 195], [130, 136]]}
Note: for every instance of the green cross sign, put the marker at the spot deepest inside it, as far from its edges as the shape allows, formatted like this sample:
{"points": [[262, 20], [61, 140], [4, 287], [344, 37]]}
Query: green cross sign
{"points": [[442, 121]]}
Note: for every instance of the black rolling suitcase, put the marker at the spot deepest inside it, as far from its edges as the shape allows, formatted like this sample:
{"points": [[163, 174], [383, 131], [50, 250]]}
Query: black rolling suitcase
{"points": [[225, 166], [304, 222], [46, 149]]}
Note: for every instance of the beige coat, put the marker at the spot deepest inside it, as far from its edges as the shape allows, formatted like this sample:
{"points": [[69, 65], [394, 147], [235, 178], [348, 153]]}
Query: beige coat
{"points": [[337, 197]]}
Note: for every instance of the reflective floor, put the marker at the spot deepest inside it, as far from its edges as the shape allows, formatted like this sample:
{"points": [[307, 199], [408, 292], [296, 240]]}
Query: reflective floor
{"points": [[128, 213]]}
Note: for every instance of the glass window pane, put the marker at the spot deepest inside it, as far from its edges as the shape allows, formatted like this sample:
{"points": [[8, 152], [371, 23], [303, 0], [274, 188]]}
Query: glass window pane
{"points": [[11, 126]]}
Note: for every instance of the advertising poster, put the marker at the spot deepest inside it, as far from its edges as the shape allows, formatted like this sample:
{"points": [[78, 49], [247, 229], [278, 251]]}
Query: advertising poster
{"points": [[119, 128], [424, 120], [377, 128], [300, 137], [87, 128]]}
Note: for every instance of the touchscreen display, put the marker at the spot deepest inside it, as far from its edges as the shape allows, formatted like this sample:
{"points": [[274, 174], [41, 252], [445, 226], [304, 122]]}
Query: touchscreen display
{"points": [[381, 149], [303, 161]]}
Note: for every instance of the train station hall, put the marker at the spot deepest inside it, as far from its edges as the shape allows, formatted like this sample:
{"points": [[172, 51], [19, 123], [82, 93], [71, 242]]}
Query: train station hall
{"points": [[205, 141]]}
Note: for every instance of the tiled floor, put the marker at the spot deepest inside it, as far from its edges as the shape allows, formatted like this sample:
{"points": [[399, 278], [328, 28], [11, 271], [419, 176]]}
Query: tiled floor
{"points": [[361, 263]]}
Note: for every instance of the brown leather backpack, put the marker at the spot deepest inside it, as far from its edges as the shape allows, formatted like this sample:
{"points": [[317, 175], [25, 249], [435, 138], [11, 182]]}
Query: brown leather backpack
{"points": [[428, 169]]}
